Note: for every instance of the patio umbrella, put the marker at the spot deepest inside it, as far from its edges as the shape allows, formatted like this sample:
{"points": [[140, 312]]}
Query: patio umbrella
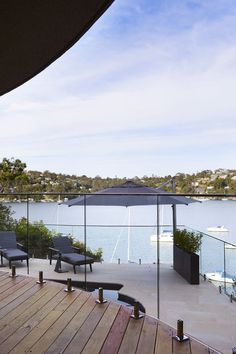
{"points": [[131, 194]]}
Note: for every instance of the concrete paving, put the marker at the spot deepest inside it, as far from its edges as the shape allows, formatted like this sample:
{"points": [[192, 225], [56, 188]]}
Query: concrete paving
{"points": [[208, 315]]}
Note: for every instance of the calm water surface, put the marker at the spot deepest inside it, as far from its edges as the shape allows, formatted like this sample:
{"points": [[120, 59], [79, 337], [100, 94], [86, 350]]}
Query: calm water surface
{"points": [[107, 227]]}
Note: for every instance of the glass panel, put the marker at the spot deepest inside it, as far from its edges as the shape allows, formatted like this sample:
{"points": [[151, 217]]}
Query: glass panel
{"points": [[212, 259], [230, 269]]}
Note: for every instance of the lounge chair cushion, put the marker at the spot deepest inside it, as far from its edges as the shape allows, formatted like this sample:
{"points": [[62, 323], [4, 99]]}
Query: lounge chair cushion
{"points": [[75, 258], [15, 254]]}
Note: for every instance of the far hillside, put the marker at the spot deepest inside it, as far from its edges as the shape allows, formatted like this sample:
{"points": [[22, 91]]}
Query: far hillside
{"points": [[16, 178]]}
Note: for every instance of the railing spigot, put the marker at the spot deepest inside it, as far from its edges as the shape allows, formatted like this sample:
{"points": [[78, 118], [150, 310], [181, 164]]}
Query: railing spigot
{"points": [[41, 280], [100, 299], [69, 288], [180, 337], [136, 315]]}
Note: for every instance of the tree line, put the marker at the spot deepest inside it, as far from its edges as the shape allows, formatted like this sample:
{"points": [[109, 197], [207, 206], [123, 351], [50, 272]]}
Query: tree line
{"points": [[15, 178]]}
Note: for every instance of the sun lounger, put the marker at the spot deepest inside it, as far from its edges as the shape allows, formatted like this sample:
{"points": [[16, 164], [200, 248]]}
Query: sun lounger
{"points": [[64, 251], [9, 248]]}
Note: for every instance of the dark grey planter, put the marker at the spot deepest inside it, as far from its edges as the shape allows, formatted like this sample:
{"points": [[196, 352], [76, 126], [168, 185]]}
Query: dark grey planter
{"points": [[187, 265]]}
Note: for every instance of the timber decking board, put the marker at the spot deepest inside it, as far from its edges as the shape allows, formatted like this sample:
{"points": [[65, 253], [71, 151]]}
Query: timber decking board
{"points": [[55, 330], [43, 318], [65, 337], [96, 341], [147, 339], [131, 337], [114, 338], [84, 333]]}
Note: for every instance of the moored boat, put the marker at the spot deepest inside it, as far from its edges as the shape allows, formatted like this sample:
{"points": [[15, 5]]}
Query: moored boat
{"points": [[165, 236], [219, 228], [220, 276]]}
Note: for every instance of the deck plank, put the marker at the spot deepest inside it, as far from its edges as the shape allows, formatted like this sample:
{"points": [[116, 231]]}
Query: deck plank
{"points": [[163, 339], [117, 331], [51, 302], [15, 319], [98, 337], [181, 347], [85, 331], [18, 301], [131, 337], [55, 330], [24, 305], [199, 348], [70, 330], [13, 293], [43, 324], [147, 339]]}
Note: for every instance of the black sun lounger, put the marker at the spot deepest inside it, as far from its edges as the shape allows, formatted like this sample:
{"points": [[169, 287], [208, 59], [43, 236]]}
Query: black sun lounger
{"points": [[9, 248], [64, 251]]}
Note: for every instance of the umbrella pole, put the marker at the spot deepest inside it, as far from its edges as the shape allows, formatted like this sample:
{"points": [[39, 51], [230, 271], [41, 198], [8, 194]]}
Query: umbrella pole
{"points": [[158, 259], [174, 206], [128, 248], [85, 242]]}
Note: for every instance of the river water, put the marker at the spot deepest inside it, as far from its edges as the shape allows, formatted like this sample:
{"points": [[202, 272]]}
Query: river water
{"points": [[108, 227]]}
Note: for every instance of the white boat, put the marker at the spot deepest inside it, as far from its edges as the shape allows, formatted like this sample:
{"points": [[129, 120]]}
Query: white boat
{"points": [[165, 236], [217, 229], [221, 277], [229, 246]]}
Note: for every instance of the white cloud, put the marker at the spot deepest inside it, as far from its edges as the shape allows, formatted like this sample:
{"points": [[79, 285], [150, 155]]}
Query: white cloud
{"points": [[153, 89]]}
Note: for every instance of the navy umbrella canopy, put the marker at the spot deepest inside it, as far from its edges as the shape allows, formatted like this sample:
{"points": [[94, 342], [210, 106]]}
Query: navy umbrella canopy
{"points": [[130, 194]]}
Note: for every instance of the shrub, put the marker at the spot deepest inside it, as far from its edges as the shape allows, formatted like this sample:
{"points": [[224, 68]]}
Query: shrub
{"points": [[96, 255], [39, 237], [187, 240]]}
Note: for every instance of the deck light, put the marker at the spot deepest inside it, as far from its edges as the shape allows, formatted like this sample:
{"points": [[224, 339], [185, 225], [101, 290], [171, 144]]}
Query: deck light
{"points": [[118, 260], [136, 315], [180, 337], [41, 281], [140, 261], [69, 288], [100, 299]]}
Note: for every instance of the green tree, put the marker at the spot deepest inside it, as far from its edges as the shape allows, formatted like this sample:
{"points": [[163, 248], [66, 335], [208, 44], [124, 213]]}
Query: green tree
{"points": [[12, 174], [6, 220]]}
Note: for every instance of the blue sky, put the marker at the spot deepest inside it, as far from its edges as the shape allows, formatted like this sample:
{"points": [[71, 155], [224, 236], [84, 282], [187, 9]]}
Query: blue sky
{"points": [[149, 89]]}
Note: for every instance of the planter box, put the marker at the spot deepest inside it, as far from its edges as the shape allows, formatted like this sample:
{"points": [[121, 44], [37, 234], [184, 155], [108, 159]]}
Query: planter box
{"points": [[187, 265]]}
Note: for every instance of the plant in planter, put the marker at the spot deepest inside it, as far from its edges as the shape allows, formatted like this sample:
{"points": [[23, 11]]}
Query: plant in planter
{"points": [[186, 259], [187, 240]]}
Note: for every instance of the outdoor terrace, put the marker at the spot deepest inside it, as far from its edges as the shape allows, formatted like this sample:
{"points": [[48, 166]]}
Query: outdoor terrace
{"points": [[208, 315], [43, 318]]}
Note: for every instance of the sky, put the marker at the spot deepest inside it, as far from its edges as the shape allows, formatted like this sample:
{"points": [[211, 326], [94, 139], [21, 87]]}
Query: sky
{"points": [[148, 90]]}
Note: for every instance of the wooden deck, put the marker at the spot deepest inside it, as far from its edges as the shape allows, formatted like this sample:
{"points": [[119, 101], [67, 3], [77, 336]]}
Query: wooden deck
{"points": [[43, 318]]}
